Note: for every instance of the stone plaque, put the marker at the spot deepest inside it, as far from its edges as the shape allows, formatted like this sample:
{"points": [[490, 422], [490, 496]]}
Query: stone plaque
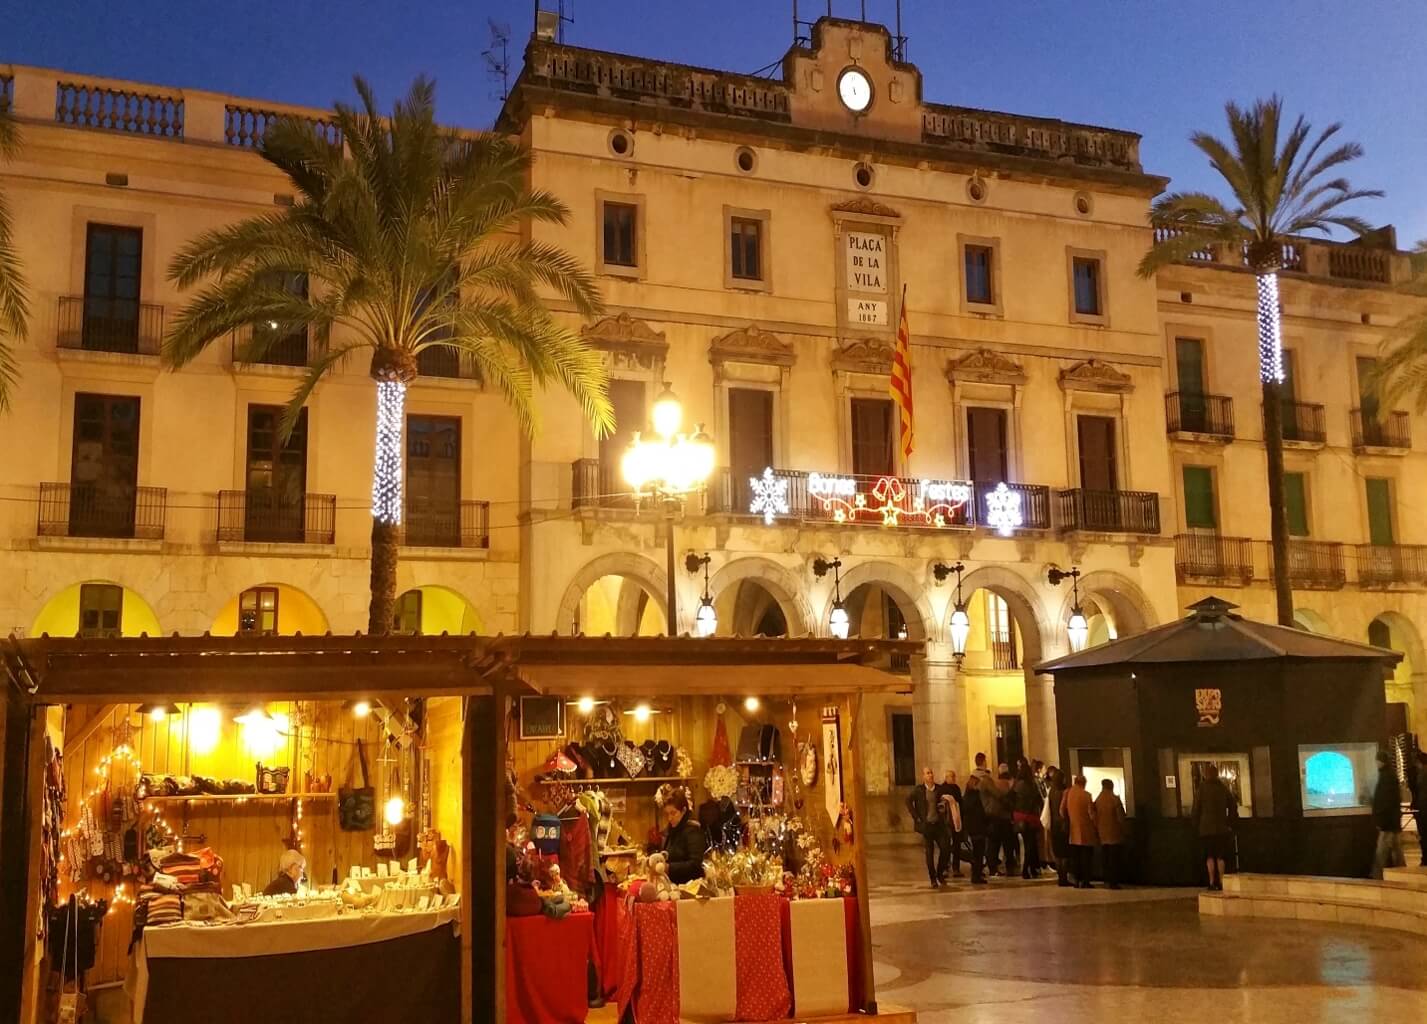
{"points": [[867, 311], [866, 253]]}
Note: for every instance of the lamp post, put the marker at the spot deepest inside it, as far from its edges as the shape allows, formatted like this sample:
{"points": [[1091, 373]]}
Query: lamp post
{"points": [[1077, 628], [706, 620], [960, 621], [670, 466], [838, 623]]}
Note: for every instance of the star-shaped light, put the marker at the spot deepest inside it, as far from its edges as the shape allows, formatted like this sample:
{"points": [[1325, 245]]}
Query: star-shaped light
{"points": [[770, 496], [1003, 509]]}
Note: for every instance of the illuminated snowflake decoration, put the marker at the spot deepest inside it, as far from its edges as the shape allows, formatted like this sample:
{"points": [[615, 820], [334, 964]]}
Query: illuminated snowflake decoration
{"points": [[770, 496], [1003, 510]]}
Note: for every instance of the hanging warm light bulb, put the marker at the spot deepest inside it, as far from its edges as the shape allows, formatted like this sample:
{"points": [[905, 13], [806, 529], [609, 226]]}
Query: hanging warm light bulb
{"points": [[157, 712], [960, 629], [751, 704], [585, 705], [838, 623], [362, 708], [706, 619], [642, 712], [1078, 629], [394, 812], [205, 728]]}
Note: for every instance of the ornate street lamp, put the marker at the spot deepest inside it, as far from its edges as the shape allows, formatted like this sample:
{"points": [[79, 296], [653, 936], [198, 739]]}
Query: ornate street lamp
{"points": [[670, 466], [960, 621], [1077, 628], [706, 620], [838, 622]]}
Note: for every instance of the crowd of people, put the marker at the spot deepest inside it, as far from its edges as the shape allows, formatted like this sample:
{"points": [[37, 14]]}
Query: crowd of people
{"points": [[1027, 818]]}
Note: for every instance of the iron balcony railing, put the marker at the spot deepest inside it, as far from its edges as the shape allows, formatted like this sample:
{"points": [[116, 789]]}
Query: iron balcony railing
{"points": [[292, 349], [1381, 564], [463, 524], [1190, 413], [1208, 556], [273, 517], [1303, 421], [440, 361], [1003, 654], [598, 484], [1390, 430], [110, 325], [1312, 564], [1108, 511], [84, 510]]}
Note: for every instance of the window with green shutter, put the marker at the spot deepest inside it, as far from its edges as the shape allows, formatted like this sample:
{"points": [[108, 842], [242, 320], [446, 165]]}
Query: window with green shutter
{"points": [[1199, 511], [1295, 496], [1379, 510]]}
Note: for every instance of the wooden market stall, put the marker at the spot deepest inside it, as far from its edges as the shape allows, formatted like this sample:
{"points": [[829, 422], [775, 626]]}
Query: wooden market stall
{"points": [[488, 714]]}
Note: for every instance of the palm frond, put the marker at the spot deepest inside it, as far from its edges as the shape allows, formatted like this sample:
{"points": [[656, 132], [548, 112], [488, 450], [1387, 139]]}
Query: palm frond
{"points": [[14, 300]]}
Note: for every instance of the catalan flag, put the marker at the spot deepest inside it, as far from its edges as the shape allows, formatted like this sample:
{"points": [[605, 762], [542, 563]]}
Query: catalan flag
{"points": [[901, 383]]}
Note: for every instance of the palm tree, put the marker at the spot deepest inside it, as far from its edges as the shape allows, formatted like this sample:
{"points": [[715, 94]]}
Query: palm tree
{"points": [[14, 306], [409, 240], [1279, 190], [1401, 371]]}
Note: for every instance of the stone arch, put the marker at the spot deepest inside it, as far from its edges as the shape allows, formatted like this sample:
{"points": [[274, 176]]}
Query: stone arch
{"points": [[298, 611], [1124, 599], [1309, 620], [1405, 637], [445, 610], [1037, 631], [910, 596], [778, 581], [636, 568], [59, 614]]}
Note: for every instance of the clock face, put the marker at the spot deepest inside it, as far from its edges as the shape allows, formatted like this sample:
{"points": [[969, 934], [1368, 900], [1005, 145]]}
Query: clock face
{"points": [[854, 88]]}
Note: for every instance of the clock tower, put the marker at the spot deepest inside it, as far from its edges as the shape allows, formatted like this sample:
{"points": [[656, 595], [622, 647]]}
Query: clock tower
{"points": [[847, 81]]}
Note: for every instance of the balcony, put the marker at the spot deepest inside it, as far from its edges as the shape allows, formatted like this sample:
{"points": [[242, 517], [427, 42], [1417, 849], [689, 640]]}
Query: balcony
{"points": [[1108, 511], [1003, 654], [448, 363], [464, 524], [1208, 557], [270, 517], [1313, 564], [83, 510], [1210, 416], [1381, 565], [110, 325], [292, 349], [1392, 431], [598, 484], [1303, 423]]}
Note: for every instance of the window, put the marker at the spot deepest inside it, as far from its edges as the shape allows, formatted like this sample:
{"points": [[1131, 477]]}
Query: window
{"points": [[1000, 633], [113, 260], [1379, 493], [986, 444], [257, 612], [101, 610], [627, 398], [1086, 278], [1367, 394], [104, 466], [904, 750], [407, 617], [1337, 778], [872, 430], [1295, 497], [621, 222], [1200, 512], [1189, 361], [274, 346], [433, 481], [750, 431], [1097, 453], [276, 483], [1234, 773], [746, 247], [980, 287]]}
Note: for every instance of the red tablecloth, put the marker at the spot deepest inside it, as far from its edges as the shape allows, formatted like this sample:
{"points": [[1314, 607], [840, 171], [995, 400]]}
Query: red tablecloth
{"points": [[612, 925], [546, 980]]}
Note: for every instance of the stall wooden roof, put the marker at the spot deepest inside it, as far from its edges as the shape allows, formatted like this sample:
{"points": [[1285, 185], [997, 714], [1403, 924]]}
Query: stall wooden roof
{"points": [[55, 670]]}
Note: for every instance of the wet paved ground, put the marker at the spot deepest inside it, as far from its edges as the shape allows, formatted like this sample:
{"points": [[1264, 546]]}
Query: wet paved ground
{"points": [[1016, 952]]}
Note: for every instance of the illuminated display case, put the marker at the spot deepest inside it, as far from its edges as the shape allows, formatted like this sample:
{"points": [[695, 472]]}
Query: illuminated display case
{"points": [[1337, 778], [1100, 763], [1234, 772]]}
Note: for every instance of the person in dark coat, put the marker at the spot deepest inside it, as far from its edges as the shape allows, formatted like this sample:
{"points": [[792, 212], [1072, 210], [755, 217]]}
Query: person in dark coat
{"points": [[1027, 803], [1419, 803], [975, 825], [1214, 815], [929, 819], [949, 796], [1059, 826], [1387, 816], [684, 841]]}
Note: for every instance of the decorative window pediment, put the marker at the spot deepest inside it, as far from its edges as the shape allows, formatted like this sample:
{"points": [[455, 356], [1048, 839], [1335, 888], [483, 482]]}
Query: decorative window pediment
{"points": [[1093, 375], [864, 206], [630, 342], [863, 355], [985, 366], [751, 344]]}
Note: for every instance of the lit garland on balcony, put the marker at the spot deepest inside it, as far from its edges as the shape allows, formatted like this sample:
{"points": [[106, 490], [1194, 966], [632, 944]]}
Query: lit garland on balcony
{"points": [[386, 478], [1270, 338]]}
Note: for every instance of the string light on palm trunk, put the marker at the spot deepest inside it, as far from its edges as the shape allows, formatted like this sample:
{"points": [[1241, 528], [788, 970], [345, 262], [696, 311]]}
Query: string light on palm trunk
{"points": [[1270, 336], [386, 478]]}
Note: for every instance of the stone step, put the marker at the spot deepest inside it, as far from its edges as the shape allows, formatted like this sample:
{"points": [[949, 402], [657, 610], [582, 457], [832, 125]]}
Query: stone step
{"points": [[1298, 908], [1416, 877], [1352, 892]]}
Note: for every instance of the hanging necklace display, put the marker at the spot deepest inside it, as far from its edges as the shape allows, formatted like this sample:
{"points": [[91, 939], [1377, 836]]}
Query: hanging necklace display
{"points": [[384, 840]]}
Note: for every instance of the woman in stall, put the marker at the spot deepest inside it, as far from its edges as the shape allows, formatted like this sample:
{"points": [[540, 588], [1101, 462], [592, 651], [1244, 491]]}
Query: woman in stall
{"points": [[290, 867], [684, 840]]}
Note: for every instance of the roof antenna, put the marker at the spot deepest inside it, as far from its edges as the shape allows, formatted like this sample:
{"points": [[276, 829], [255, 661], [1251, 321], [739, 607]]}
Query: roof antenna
{"points": [[497, 57], [550, 24]]}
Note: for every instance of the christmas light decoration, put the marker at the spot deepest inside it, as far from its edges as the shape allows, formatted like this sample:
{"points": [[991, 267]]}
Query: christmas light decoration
{"points": [[386, 477], [1270, 337], [1003, 510], [891, 500], [770, 496]]}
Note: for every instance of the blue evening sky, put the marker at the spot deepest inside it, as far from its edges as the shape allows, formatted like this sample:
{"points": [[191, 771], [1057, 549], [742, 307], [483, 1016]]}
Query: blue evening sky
{"points": [[1158, 67]]}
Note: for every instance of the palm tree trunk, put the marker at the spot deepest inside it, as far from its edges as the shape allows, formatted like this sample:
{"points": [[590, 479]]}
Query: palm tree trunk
{"points": [[387, 482], [1271, 378]]}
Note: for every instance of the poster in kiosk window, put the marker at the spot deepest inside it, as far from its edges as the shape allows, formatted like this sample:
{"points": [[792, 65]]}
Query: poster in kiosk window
{"points": [[357, 808]]}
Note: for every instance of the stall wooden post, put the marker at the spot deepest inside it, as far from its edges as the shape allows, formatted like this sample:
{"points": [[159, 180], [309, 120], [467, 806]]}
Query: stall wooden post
{"points": [[859, 851], [23, 748], [483, 854]]}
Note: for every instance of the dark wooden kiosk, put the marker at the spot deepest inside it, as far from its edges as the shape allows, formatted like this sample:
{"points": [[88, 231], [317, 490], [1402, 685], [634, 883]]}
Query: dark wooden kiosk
{"points": [[481, 680], [1292, 719]]}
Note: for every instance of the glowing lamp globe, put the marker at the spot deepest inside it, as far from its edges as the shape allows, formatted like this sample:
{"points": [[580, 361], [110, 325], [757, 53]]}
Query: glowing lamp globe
{"points": [[702, 454], [637, 464], [668, 413], [706, 621], [1078, 630], [838, 623], [960, 630]]}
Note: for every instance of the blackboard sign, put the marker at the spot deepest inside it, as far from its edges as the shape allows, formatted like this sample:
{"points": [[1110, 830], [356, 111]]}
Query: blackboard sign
{"points": [[542, 718]]}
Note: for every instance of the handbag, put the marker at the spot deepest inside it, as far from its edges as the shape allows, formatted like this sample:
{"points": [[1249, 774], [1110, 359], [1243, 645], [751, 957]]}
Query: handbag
{"points": [[272, 781], [357, 808]]}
